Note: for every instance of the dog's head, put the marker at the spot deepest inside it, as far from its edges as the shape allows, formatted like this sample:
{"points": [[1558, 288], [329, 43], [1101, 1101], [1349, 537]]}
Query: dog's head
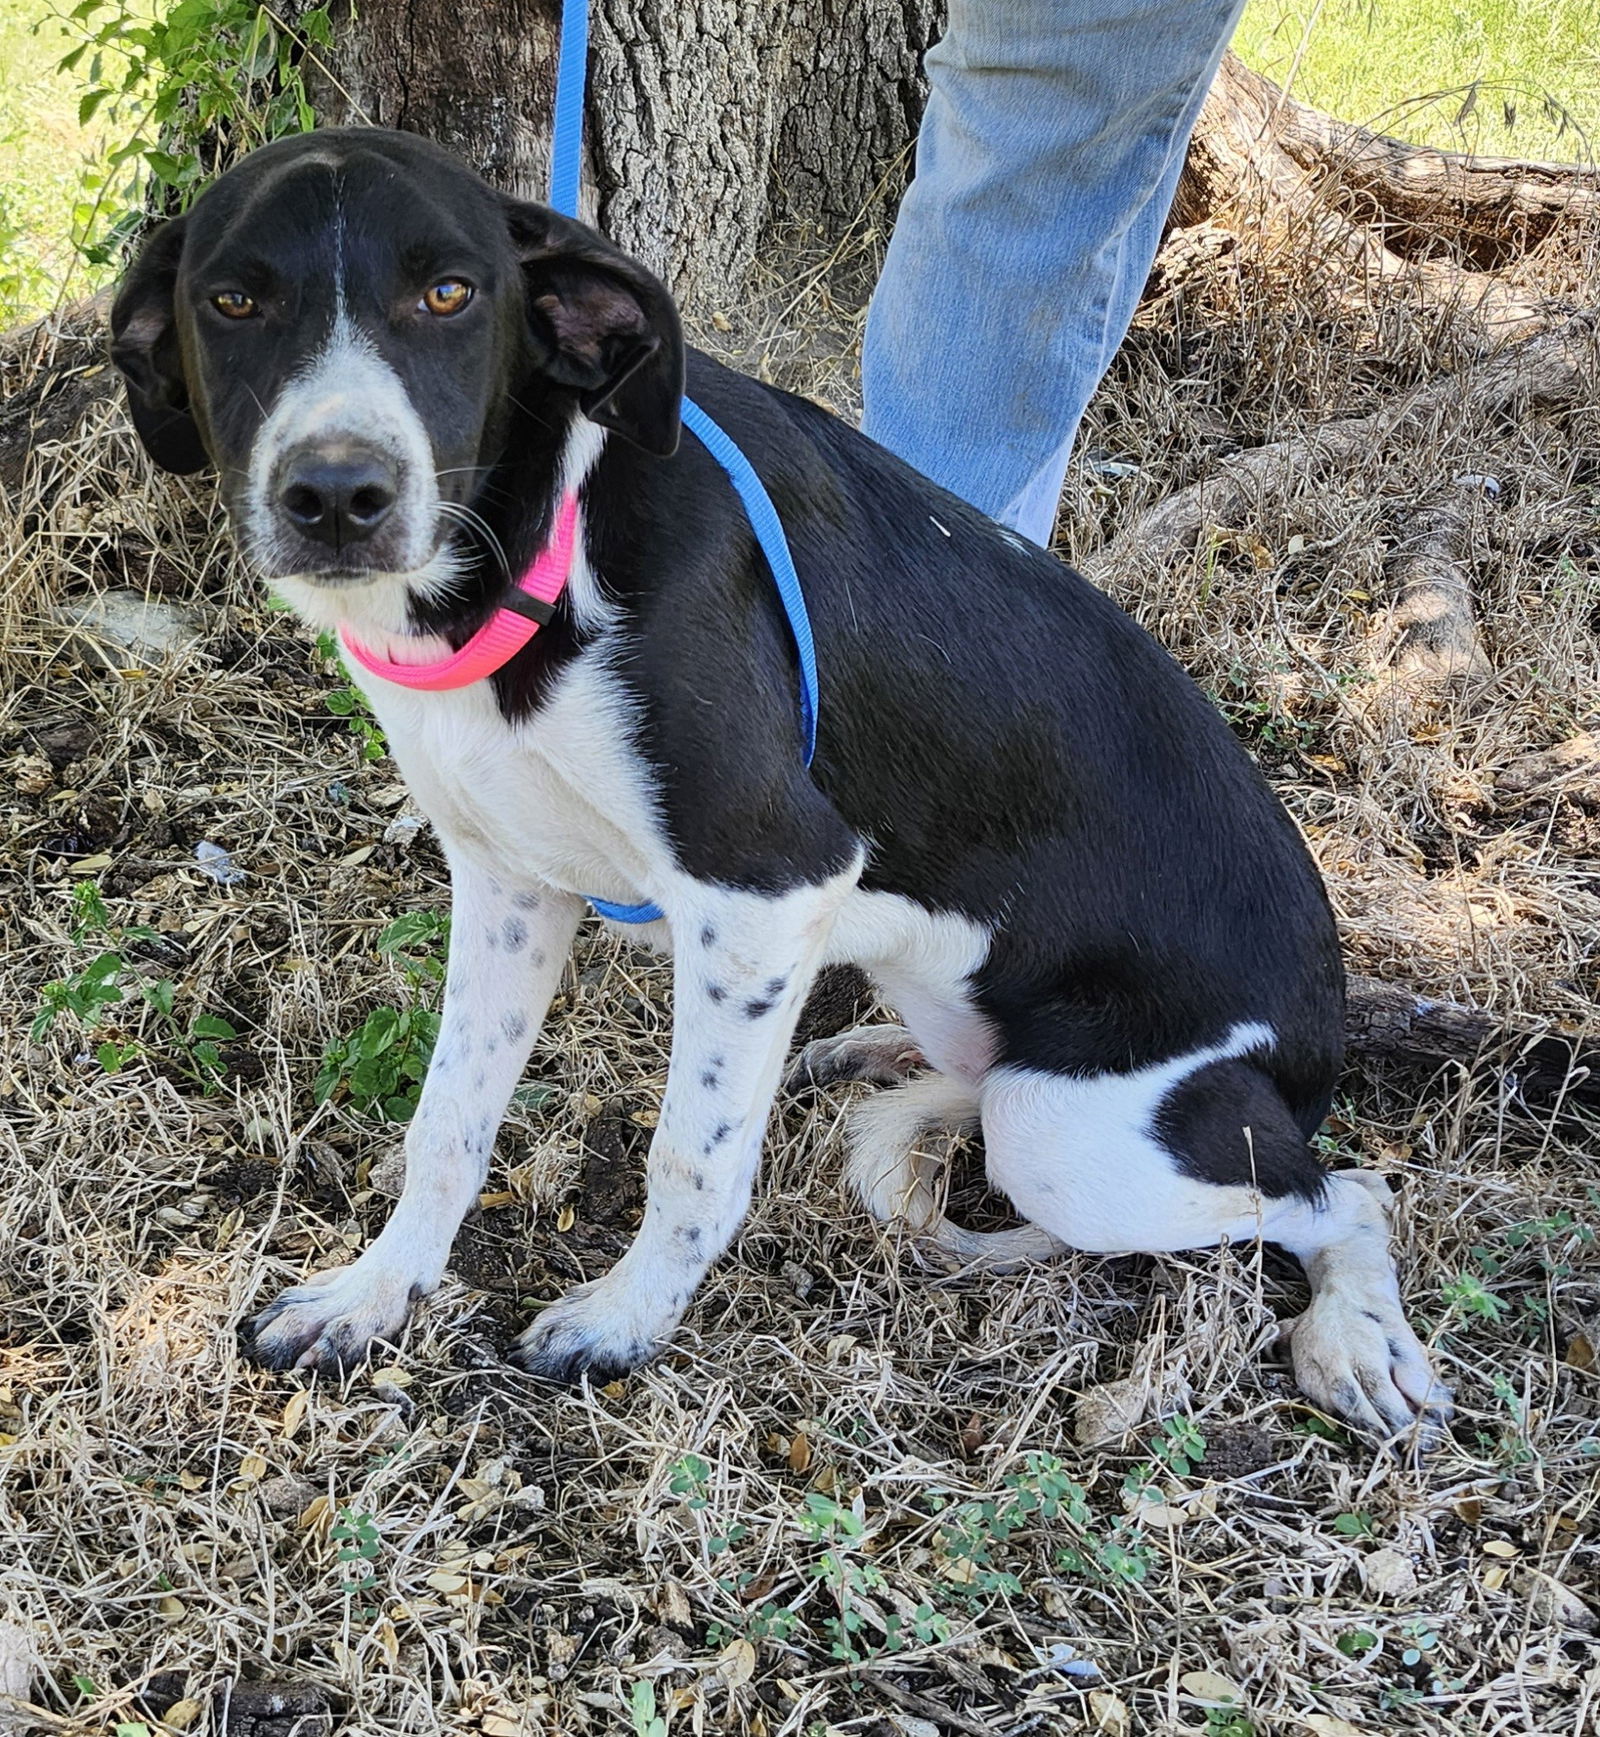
{"points": [[344, 326]]}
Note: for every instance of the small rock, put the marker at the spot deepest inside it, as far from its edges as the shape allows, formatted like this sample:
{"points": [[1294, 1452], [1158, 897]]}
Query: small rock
{"points": [[388, 1173], [403, 829], [1117, 1409], [1388, 1574], [285, 1496], [1470, 479], [1552, 1602], [64, 743], [125, 630]]}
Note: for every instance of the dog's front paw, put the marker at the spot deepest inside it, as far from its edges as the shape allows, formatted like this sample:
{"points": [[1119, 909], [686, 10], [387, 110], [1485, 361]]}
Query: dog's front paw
{"points": [[331, 1323], [596, 1330], [1361, 1361]]}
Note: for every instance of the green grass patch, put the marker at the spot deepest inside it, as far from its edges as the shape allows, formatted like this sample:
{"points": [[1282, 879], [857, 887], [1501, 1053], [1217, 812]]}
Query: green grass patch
{"points": [[1492, 76]]}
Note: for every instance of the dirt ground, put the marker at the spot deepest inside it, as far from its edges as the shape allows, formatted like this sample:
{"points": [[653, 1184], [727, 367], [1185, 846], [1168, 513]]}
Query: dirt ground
{"points": [[853, 1496]]}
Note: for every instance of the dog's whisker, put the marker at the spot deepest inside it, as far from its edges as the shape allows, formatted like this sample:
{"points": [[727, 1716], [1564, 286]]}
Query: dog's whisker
{"points": [[475, 521]]}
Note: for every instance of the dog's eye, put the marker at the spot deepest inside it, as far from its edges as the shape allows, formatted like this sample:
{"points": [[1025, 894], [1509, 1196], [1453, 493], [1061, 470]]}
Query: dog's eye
{"points": [[235, 304], [449, 296]]}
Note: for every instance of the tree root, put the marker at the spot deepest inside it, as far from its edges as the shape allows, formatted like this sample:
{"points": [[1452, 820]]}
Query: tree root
{"points": [[1378, 217], [1384, 1021], [1429, 655], [1550, 368]]}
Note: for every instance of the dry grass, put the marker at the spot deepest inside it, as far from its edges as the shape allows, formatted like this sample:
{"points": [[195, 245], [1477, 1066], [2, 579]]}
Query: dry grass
{"points": [[165, 1508]]}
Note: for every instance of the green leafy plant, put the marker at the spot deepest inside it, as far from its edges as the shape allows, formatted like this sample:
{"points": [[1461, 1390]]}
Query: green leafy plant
{"points": [[1468, 1297], [1356, 1524], [382, 1064], [972, 1532], [356, 1533], [348, 702], [1180, 1446], [1356, 1643], [642, 1711], [1225, 1722], [108, 980], [186, 87]]}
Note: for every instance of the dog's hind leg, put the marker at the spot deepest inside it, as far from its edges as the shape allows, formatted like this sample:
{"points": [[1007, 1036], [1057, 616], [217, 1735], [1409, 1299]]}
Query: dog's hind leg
{"points": [[507, 951], [1189, 1152]]}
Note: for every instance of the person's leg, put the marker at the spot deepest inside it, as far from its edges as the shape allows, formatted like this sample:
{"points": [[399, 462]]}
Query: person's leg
{"points": [[1052, 143]]}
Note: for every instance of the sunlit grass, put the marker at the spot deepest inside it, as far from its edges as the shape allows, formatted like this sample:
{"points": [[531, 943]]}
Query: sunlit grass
{"points": [[1492, 76]]}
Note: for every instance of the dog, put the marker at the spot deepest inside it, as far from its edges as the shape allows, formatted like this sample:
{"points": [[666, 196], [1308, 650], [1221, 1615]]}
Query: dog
{"points": [[1108, 944]]}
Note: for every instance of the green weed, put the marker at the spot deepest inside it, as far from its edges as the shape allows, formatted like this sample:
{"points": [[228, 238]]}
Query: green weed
{"points": [[186, 88]]}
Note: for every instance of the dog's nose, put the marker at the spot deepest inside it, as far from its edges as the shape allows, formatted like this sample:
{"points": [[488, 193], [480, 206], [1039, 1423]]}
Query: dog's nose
{"points": [[337, 496]]}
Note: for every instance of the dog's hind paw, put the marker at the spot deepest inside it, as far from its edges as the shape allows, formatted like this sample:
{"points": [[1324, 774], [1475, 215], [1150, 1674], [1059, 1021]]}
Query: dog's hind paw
{"points": [[883, 1055], [1359, 1360], [589, 1332], [331, 1323]]}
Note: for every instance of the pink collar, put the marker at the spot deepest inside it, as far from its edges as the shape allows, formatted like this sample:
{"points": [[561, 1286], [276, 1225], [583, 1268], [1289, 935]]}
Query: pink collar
{"points": [[528, 608]]}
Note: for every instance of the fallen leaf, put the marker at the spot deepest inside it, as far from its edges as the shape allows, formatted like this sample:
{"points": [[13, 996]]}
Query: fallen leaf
{"points": [[1495, 1578], [1330, 1725], [391, 1375], [1110, 1713], [566, 1217], [294, 1413], [170, 1608], [1208, 1686], [489, 1202], [799, 1453], [1580, 1352], [1499, 1547], [182, 1714], [736, 1663], [1161, 1514], [1469, 1509]]}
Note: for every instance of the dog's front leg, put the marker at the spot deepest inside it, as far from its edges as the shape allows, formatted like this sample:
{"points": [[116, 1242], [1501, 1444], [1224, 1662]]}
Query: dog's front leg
{"points": [[742, 965], [507, 950]]}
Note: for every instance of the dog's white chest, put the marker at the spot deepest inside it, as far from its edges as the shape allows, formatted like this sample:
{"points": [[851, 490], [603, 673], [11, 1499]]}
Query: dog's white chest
{"points": [[562, 798]]}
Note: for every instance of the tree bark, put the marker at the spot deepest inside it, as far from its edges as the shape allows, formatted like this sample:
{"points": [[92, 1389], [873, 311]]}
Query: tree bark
{"points": [[709, 129]]}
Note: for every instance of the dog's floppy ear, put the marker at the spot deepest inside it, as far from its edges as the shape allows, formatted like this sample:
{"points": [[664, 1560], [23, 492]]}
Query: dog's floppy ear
{"points": [[144, 346], [603, 324]]}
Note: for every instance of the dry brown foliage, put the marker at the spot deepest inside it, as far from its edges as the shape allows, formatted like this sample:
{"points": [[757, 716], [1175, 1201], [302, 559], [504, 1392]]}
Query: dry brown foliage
{"points": [[166, 1510]]}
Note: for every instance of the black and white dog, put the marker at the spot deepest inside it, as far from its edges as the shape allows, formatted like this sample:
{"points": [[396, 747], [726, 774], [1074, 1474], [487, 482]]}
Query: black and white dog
{"points": [[1106, 940]]}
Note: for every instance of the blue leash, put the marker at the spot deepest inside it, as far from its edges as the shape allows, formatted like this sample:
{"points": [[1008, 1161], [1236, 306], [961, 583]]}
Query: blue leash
{"points": [[566, 161]]}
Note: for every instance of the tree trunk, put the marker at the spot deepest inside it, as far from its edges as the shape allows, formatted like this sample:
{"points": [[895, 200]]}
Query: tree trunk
{"points": [[709, 128]]}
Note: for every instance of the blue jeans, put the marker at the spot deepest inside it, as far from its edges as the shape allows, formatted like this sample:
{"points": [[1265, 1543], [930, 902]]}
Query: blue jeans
{"points": [[1053, 140]]}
